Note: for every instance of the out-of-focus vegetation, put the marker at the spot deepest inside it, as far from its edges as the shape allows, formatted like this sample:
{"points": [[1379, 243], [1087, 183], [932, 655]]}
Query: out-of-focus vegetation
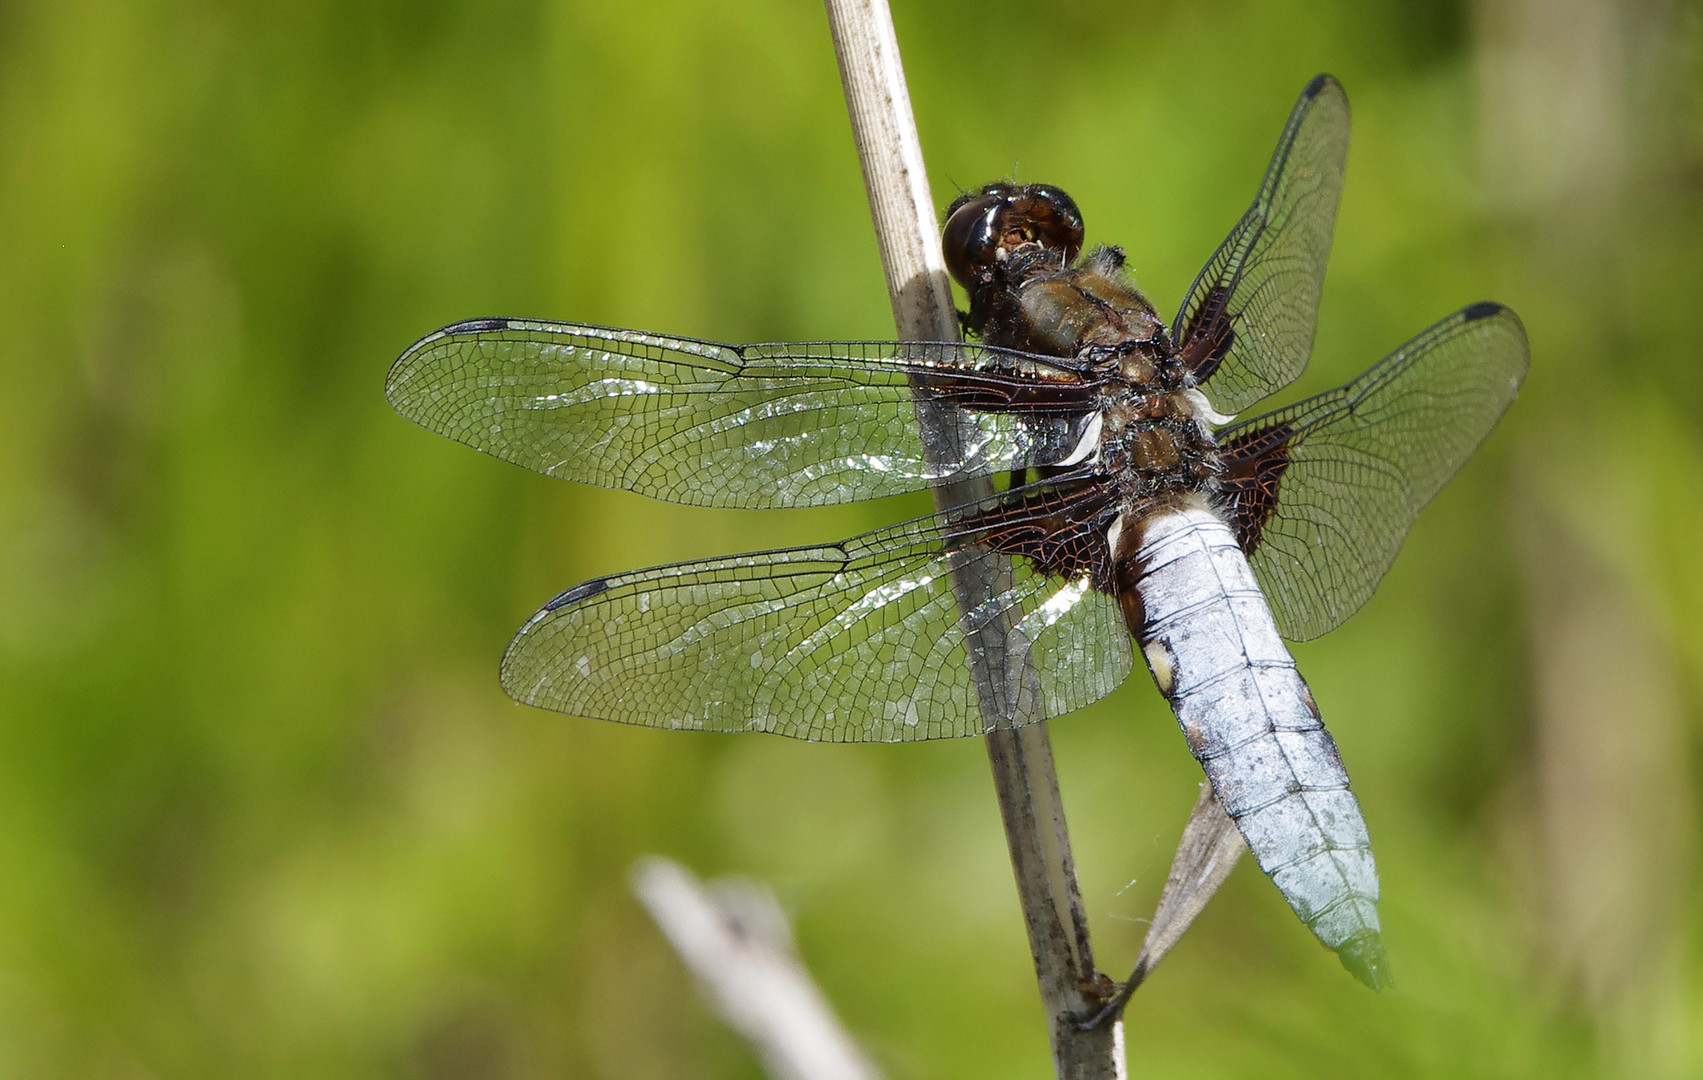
{"points": [[263, 809]]}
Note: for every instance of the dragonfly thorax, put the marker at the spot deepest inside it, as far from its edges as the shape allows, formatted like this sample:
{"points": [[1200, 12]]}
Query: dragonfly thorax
{"points": [[1024, 294], [1156, 448]]}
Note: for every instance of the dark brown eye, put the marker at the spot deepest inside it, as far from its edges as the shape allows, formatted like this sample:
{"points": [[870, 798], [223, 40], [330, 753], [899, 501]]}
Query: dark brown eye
{"points": [[1053, 220], [971, 237]]}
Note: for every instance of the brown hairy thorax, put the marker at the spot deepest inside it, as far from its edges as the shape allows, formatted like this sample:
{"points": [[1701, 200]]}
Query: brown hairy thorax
{"points": [[1014, 249]]}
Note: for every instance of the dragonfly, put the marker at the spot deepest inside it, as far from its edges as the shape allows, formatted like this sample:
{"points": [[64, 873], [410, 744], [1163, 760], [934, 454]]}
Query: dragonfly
{"points": [[1133, 511]]}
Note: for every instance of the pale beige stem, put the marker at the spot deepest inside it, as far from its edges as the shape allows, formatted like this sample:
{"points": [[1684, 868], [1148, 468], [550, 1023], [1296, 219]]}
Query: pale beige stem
{"points": [[1025, 780]]}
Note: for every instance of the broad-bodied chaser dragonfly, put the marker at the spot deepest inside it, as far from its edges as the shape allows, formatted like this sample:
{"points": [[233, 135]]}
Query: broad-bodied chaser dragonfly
{"points": [[1138, 505]]}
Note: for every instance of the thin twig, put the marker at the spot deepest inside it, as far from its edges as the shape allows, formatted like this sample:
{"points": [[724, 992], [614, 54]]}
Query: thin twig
{"points": [[1019, 752], [736, 941]]}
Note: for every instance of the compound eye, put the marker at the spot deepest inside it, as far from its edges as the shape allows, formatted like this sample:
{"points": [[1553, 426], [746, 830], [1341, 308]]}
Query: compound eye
{"points": [[1053, 219], [971, 237]]}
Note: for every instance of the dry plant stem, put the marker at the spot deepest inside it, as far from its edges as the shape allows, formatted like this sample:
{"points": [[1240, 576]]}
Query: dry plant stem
{"points": [[1018, 748], [736, 941]]}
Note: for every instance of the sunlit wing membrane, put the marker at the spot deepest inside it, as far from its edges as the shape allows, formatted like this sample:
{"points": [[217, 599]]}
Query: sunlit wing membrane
{"points": [[860, 641], [745, 426], [1322, 493], [1246, 327]]}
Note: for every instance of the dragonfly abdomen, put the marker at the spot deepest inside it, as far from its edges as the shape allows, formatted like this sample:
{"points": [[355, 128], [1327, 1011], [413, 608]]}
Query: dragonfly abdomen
{"points": [[1251, 721]]}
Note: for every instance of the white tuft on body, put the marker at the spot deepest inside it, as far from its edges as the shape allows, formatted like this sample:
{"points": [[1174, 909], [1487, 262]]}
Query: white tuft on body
{"points": [[1089, 445], [1200, 407]]}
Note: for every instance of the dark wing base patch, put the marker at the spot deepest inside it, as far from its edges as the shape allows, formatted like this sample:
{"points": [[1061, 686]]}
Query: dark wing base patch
{"points": [[1254, 464]]}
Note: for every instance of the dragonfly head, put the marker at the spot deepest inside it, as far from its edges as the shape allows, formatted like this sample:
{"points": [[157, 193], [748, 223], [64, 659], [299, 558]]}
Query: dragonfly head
{"points": [[1003, 220]]}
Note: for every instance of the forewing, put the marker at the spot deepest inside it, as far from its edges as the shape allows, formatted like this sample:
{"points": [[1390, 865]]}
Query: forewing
{"points": [[1246, 327], [854, 642], [1321, 494], [720, 425]]}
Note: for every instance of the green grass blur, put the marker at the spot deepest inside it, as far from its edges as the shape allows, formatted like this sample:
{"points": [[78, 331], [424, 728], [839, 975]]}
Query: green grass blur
{"points": [[263, 809]]}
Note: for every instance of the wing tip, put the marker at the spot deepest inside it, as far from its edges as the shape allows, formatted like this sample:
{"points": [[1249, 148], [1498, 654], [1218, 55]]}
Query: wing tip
{"points": [[1318, 84], [519, 673], [1490, 309], [520, 676], [396, 380]]}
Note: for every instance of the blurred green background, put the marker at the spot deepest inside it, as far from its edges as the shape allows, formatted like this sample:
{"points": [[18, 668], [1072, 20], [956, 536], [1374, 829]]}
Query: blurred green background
{"points": [[263, 809]]}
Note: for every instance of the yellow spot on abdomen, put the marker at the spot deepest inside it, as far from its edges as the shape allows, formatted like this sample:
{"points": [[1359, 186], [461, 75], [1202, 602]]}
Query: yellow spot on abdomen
{"points": [[1161, 663]]}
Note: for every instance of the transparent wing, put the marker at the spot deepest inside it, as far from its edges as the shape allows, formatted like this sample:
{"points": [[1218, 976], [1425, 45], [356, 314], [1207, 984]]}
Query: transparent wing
{"points": [[722, 425], [1323, 493], [1246, 327], [860, 641]]}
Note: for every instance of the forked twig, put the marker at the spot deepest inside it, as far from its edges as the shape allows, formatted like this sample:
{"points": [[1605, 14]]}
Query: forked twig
{"points": [[736, 941]]}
